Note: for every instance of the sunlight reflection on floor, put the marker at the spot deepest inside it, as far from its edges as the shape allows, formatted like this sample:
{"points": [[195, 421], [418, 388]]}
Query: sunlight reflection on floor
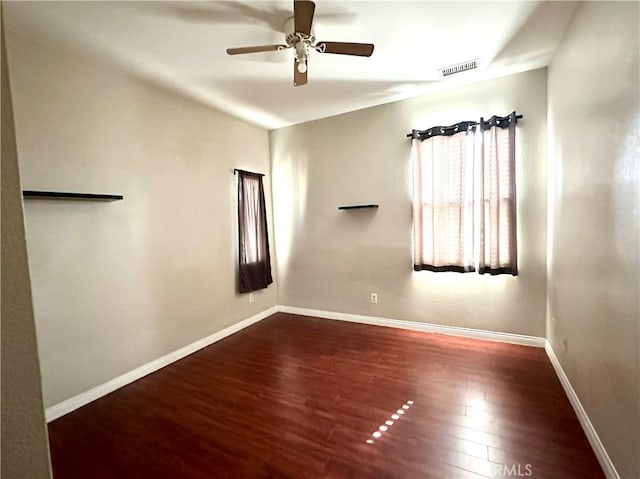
{"points": [[389, 422]]}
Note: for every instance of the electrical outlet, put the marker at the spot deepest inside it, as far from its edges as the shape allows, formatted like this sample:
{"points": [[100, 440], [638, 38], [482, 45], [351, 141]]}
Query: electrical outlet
{"points": [[374, 298], [252, 297]]}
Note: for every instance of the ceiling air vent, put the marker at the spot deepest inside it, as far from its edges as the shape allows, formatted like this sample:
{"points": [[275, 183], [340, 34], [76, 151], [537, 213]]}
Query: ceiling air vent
{"points": [[459, 68]]}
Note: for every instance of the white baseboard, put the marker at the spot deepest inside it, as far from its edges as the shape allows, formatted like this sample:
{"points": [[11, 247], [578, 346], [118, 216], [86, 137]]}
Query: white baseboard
{"points": [[86, 397], [416, 326], [597, 446]]}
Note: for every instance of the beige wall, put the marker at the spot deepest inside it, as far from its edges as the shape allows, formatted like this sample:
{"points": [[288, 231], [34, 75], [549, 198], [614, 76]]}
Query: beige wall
{"points": [[332, 260], [594, 277], [23, 434], [119, 284]]}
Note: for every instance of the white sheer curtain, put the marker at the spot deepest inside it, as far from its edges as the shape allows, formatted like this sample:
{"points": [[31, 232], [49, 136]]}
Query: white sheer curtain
{"points": [[498, 254], [443, 201]]}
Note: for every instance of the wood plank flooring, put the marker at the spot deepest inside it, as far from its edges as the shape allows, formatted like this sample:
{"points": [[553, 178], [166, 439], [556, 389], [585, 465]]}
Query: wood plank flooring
{"points": [[297, 397]]}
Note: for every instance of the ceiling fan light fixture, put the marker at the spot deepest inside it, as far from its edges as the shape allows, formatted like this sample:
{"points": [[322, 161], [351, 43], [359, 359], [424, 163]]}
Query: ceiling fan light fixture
{"points": [[299, 36]]}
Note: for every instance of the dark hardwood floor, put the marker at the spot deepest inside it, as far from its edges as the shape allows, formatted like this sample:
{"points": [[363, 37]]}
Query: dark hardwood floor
{"points": [[294, 397]]}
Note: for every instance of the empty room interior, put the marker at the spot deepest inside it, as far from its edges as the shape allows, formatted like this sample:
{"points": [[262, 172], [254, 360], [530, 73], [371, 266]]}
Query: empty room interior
{"points": [[361, 239]]}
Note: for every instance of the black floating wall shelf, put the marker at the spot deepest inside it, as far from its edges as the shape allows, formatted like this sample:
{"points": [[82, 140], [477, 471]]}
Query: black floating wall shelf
{"points": [[59, 195], [356, 207]]}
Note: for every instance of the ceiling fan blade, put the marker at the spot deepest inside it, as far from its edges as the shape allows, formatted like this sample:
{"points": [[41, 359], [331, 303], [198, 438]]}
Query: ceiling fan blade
{"points": [[343, 48], [303, 16], [260, 48], [299, 79]]}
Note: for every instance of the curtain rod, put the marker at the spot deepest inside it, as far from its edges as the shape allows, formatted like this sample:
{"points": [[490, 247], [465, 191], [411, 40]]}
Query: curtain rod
{"points": [[463, 125], [237, 170]]}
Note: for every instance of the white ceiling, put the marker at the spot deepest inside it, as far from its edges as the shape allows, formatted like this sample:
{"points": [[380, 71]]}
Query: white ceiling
{"points": [[181, 45]]}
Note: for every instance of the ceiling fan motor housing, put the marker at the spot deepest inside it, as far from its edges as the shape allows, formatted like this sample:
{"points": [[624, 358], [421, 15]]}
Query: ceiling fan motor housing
{"points": [[299, 41], [292, 37]]}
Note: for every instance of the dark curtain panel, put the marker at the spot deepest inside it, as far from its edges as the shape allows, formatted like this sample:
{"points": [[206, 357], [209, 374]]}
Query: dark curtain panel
{"points": [[253, 242]]}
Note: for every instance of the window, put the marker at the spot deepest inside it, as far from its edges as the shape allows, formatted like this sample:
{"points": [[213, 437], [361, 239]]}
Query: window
{"points": [[254, 270], [447, 163]]}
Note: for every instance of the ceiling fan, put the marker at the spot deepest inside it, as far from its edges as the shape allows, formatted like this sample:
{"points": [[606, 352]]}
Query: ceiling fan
{"points": [[299, 35]]}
